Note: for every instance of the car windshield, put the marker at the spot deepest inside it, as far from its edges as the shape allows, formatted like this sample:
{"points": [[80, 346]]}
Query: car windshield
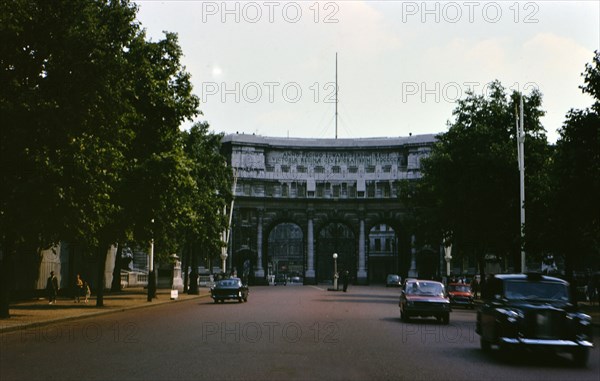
{"points": [[459, 288], [531, 290], [425, 289], [229, 283]]}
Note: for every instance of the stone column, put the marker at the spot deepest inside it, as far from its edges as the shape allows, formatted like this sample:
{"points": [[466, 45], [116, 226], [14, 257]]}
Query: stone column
{"points": [[310, 252], [362, 273], [260, 272], [412, 272]]}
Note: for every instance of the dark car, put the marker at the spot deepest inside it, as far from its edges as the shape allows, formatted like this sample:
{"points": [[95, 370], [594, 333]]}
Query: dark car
{"points": [[533, 311], [281, 279], [393, 280], [460, 294], [424, 298], [231, 288]]}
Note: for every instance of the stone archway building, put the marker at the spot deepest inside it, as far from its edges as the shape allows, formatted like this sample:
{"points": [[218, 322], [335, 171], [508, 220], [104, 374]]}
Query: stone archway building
{"points": [[342, 194]]}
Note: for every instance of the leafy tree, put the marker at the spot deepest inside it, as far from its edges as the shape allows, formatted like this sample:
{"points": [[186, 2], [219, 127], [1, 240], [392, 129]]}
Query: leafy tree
{"points": [[212, 192], [91, 148], [469, 191], [576, 180], [64, 121]]}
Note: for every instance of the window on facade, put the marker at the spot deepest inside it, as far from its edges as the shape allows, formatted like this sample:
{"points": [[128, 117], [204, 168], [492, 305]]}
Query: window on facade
{"points": [[353, 169], [387, 168], [344, 190], [301, 169], [269, 190], [319, 169], [294, 190], [336, 190], [386, 190], [320, 190], [377, 244], [270, 168], [285, 168], [284, 190], [370, 169], [352, 191], [336, 169], [327, 189], [371, 190]]}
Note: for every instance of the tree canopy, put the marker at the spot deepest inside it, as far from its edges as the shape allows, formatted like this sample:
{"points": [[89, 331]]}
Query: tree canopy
{"points": [[91, 147]]}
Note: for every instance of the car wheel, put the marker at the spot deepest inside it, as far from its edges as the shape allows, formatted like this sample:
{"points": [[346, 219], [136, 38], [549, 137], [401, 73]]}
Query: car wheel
{"points": [[216, 301], [446, 319], [240, 300], [486, 346], [580, 356]]}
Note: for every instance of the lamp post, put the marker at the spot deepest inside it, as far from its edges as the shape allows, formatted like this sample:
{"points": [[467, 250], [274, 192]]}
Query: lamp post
{"points": [[448, 258], [335, 274], [151, 274]]}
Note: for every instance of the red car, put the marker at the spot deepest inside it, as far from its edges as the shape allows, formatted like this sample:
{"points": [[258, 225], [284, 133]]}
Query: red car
{"points": [[460, 294], [424, 298]]}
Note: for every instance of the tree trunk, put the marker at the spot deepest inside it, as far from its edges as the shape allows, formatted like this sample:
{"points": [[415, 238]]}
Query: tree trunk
{"points": [[6, 267], [193, 289], [101, 255], [116, 281]]}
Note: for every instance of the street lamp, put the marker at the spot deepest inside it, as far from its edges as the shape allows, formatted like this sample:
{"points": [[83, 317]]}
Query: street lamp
{"points": [[151, 273], [448, 258], [335, 274]]}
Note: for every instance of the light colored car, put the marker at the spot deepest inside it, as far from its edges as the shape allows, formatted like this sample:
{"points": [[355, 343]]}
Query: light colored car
{"points": [[393, 280]]}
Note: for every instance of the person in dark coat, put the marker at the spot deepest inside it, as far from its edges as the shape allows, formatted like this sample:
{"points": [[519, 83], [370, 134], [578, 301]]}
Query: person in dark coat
{"points": [[345, 279], [52, 288]]}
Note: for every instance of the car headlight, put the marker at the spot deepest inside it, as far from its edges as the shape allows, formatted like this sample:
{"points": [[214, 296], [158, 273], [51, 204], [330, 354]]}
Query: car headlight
{"points": [[512, 316]]}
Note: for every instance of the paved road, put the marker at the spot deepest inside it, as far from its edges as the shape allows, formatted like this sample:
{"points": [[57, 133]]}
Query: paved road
{"points": [[282, 333]]}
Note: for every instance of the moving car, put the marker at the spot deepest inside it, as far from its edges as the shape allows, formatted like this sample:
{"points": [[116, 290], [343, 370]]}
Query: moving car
{"points": [[533, 311], [393, 280], [231, 288], [280, 279], [460, 294], [424, 298]]}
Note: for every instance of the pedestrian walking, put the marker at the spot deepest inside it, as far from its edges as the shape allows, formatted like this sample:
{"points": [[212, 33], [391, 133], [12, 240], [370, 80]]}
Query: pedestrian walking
{"points": [[88, 291], [79, 289], [345, 279], [52, 288]]}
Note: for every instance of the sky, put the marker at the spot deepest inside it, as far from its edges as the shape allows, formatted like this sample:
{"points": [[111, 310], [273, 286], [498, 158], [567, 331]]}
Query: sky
{"points": [[269, 67]]}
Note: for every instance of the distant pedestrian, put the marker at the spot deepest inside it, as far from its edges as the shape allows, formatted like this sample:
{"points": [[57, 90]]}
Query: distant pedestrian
{"points": [[52, 288], [345, 279], [475, 287], [79, 289], [88, 291]]}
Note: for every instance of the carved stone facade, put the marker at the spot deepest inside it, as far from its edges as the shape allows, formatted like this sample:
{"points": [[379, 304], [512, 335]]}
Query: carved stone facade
{"points": [[298, 201]]}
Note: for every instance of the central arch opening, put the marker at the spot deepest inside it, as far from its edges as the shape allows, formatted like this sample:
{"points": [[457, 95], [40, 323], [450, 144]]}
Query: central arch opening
{"points": [[285, 251], [337, 238]]}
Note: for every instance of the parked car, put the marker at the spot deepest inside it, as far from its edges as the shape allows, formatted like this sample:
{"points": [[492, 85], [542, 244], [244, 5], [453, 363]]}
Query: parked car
{"points": [[533, 311], [280, 279], [393, 280], [231, 288], [460, 294], [424, 298]]}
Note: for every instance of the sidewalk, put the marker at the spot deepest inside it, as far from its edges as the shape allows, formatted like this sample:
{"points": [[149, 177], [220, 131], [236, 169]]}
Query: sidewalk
{"points": [[35, 313]]}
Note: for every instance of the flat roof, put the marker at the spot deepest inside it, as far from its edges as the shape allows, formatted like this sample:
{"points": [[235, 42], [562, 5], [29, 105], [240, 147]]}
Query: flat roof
{"points": [[282, 142]]}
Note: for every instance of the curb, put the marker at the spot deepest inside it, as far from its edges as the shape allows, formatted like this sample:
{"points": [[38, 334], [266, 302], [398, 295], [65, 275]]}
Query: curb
{"points": [[43, 323]]}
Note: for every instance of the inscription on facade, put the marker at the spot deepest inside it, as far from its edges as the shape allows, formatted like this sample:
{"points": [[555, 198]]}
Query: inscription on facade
{"points": [[334, 158]]}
